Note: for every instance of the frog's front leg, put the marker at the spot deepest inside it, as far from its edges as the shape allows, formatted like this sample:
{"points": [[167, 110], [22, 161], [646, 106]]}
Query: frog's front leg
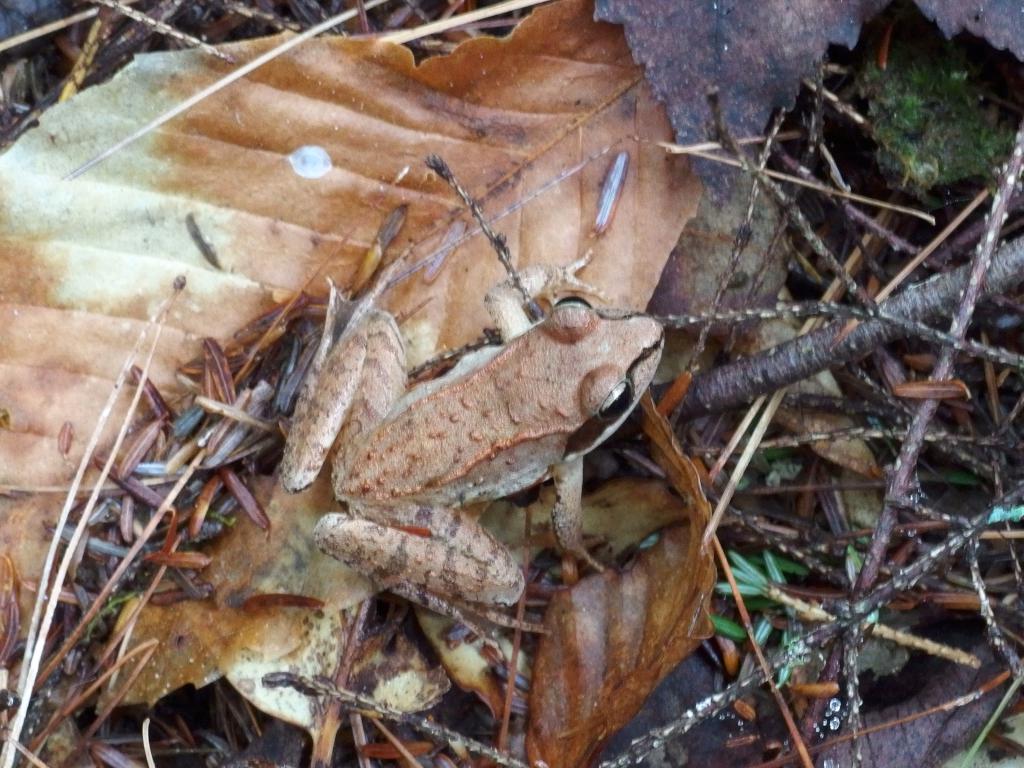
{"points": [[567, 514], [504, 302], [431, 548]]}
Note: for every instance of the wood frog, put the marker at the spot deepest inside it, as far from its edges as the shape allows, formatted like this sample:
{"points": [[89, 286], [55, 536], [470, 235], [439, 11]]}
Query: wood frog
{"points": [[504, 418]]}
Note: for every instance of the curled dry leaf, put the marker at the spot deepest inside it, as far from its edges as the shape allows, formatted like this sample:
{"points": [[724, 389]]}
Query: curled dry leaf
{"points": [[619, 514], [86, 262], [614, 636]]}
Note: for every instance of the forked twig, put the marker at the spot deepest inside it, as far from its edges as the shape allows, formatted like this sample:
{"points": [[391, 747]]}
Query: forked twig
{"points": [[324, 688], [440, 167], [164, 28]]}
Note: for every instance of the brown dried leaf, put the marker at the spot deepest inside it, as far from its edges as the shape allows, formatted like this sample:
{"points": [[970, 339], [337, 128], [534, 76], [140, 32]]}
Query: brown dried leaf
{"points": [[613, 638], [619, 514], [679, 471], [202, 640], [86, 262]]}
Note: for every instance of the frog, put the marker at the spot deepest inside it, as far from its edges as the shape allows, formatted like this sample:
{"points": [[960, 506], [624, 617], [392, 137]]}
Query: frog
{"points": [[407, 459]]}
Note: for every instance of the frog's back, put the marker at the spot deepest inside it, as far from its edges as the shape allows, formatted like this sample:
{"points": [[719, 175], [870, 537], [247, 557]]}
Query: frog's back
{"points": [[484, 434]]}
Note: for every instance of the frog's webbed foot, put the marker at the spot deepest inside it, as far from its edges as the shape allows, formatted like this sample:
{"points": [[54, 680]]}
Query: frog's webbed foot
{"points": [[542, 281], [552, 283]]}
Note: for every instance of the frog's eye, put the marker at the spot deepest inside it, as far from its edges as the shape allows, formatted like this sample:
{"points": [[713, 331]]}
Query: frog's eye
{"points": [[618, 402], [572, 301]]}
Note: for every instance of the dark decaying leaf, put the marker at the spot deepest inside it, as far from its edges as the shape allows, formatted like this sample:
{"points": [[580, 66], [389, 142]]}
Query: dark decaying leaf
{"points": [[755, 54], [19, 15], [1000, 22], [717, 742], [612, 638], [926, 682], [700, 265]]}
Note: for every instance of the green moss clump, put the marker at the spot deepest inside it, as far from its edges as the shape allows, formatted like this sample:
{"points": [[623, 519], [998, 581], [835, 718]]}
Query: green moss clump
{"points": [[928, 119]]}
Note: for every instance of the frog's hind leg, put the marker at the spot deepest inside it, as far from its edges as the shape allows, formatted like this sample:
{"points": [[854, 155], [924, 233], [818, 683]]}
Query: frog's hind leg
{"points": [[431, 548], [383, 382], [353, 381]]}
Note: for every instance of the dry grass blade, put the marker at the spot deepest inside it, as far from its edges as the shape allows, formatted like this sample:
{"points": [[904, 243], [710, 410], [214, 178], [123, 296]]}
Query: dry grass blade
{"points": [[331, 23], [238, 74], [42, 618], [818, 187]]}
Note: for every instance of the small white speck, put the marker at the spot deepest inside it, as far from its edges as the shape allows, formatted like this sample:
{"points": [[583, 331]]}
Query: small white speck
{"points": [[310, 161]]}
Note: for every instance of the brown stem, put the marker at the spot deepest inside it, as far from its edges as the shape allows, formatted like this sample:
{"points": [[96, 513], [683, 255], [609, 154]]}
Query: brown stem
{"points": [[730, 386]]}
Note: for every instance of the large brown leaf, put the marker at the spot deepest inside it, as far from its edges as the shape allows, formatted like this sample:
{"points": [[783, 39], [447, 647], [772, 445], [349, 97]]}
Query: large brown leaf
{"points": [[85, 263], [614, 636], [620, 514]]}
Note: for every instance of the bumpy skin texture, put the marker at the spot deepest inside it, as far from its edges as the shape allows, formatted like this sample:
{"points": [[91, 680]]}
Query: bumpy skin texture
{"points": [[500, 421], [496, 429]]}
